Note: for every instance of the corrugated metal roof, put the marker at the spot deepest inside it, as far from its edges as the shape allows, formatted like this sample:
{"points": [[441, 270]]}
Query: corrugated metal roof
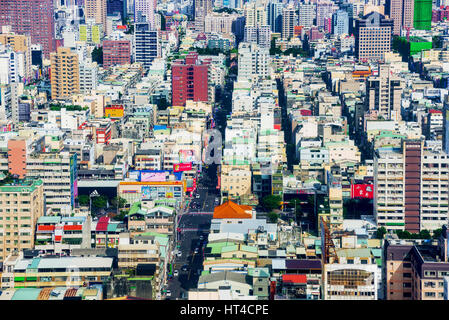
{"points": [[73, 262], [49, 219], [278, 264], [26, 294], [351, 253], [294, 278]]}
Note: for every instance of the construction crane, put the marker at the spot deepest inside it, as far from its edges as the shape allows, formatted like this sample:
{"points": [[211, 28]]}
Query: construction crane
{"points": [[329, 247]]}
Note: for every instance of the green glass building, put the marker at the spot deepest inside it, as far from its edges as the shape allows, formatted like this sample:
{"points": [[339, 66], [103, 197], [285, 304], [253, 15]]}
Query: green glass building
{"points": [[422, 17]]}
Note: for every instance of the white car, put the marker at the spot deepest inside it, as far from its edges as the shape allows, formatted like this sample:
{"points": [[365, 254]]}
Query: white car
{"points": [[168, 293], [179, 254], [175, 273]]}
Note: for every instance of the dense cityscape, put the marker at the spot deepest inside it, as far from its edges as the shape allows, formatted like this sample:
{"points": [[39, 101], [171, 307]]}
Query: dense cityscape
{"points": [[224, 150]]}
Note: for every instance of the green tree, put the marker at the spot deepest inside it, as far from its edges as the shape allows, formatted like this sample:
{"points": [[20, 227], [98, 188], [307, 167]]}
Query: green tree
{"points": [[437, 42], [437, 233], [380, 232], [118, 201], [273, 216], [97, 55], [271, 202], [100, 202], [273, 49], [83, 200]]}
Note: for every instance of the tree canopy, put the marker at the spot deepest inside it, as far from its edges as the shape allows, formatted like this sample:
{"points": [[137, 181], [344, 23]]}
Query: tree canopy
{"points": [[97, 55], [271, 202]]}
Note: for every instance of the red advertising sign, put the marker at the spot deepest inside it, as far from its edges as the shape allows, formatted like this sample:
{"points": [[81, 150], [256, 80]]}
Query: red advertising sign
{"points": [[182, 167], [362, 191], [193, 187]]}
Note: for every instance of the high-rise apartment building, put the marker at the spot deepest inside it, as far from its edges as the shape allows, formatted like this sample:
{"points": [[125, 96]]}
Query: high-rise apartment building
{"points": [[220, 23], [274, 16], [401, 11], [260, 35], [33, 18], [411, 187], [88, 75], [416, 269], [144, 11], [114, 6], [324, 10], [22, 203], [116, 52], [340, 22], [189, 80], [373, 35], [9, 66], [289, 21], [422, 19], [254, 62], [64, 73], [96, 9], [20, 44], [255, 14], [306, 14], [146, 44], [383, 93]]}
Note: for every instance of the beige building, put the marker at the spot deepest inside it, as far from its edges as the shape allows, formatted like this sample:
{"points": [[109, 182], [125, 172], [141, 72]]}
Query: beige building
{"points": [[65, 79], [19, 43], [21, 204], [235, 180], [384, 93], [96, 9], [411, 188]]}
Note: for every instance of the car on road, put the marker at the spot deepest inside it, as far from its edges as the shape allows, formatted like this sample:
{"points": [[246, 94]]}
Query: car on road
{"points": [[197, 196], [184, 268], [197, 250], [168, 293], [175, 273], [179, 254]]}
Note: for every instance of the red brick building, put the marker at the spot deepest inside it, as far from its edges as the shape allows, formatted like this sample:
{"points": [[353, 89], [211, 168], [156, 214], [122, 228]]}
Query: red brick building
{"points": [[116, 52], [33, 18], [189, 80]]}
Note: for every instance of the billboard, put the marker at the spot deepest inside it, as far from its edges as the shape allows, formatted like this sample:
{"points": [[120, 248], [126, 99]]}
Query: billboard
{"points": [[365, 191], [191, 185], [177, 167], [152, 176]]}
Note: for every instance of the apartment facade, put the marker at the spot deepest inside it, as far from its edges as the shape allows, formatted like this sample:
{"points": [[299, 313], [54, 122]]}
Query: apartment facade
{"points": [[21, 205], [384, 93], [65, 74], [33, 17], [411, 188], [402, 12], [373, 34], [415, 269], [146, 44], [116, 52], [96, 9], [19, 43], [289, 21], [190, 80]]}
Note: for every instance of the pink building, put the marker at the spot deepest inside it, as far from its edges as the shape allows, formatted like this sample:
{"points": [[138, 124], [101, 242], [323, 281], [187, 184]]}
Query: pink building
{"points": [[145, 8], [440, 14], [315, 34], [33, 18], [116, 52]]}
